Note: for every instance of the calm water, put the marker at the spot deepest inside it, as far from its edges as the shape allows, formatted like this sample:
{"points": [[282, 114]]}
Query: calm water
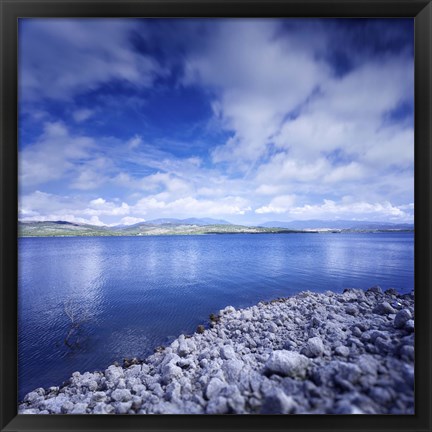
{"points": [[140, 292]]}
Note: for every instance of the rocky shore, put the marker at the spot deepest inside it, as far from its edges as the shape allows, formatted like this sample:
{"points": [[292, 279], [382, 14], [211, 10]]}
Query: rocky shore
{"points": [[349, 353]]}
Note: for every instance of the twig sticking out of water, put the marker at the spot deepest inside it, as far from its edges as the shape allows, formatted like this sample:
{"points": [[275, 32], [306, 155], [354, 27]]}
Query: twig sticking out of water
{"points": [[72, 311]]}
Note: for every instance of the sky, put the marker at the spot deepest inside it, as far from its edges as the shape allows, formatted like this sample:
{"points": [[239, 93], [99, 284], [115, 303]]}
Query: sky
{"points": [[247, 120]]}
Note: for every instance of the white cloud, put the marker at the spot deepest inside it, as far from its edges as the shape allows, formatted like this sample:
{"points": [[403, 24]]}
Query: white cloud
{"points": [[45, 206], [295, 126], [107, 209], [59, 155], [134, 142], [329, 209], [282, 168], [97, 202], [52, 155], [350, 171], [87, 179], [94, 220], [295, 129], [280, 204], [38, 205], [130, 220], [191, 206], [258, 79], [82, 115], [55, 154], [60, 58]]}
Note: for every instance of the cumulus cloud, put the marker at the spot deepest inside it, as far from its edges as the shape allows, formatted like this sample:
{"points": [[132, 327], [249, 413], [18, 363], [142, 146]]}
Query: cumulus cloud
{"points": [[130, 220], [74, 56], [294, 124], [82, 115], [280, 204], [258, 78], [290, 129], [329, 209], [45, 206], [57, 154], [187, 206], [53, 155]]}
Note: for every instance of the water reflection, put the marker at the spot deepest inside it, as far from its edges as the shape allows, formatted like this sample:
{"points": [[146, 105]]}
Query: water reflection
{"points": [[141, 291]]}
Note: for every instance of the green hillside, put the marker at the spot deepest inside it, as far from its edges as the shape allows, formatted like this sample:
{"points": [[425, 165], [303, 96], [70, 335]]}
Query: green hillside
{"points": [[63, 229]]}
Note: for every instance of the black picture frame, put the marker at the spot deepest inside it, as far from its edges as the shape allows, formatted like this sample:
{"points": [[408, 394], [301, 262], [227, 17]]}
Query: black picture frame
{"points": [[420, 10]]}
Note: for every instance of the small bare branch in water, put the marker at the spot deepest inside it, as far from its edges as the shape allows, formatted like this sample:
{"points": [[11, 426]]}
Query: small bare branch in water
{"points": [[77, 318]]}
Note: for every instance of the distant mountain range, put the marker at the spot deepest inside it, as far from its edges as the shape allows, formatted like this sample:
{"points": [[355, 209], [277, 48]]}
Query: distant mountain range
{"points": [[189, 221], [156, 227], [338, 225], [194, 226]]}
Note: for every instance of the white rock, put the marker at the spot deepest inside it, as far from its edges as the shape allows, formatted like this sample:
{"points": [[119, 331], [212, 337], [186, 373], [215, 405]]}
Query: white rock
{"points": [[133, 371], [287, 363], [103, 408], [227, 310], [54, 405], [31, 397], [67, 407], [171, 371], [227, 352], [121, 395], [217, 405], [79, 408], [113, 373], [122, 407], [246, 315], [99, 396], [342, 351], [214, 387], [231, 369], [401, 318], [409, 325], [315, 347], [277, 402]]}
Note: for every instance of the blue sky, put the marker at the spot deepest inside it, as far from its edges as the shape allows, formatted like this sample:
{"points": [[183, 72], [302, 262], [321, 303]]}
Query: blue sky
{"points": [[249, 120]]}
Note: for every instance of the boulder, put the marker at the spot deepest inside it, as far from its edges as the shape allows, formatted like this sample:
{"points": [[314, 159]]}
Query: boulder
{"points": [[114, 373], [409, 325], [227, 352], [342, 350], [383, 308], [214, 387], [401, 318], [121, 395], [375, 289], [314, 347], [287, 363], [277, 402]]}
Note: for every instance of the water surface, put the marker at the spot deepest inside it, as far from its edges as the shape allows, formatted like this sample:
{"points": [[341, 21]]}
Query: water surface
{"points": [[140, 292]]}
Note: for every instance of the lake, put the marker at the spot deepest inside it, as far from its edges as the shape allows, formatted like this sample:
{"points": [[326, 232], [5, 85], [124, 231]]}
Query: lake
{"points": [[128, 295]]}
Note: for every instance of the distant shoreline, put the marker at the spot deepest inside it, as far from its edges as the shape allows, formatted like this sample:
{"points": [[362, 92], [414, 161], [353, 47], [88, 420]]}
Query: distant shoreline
{"points": [[203, 226], [219, 233]]}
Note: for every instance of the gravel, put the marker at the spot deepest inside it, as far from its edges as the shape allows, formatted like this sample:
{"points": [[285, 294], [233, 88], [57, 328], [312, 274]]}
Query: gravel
{"points": [[313, 353]]}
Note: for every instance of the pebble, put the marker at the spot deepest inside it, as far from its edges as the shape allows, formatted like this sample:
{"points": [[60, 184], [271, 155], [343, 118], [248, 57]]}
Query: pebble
{"points": [[214, 387], [121, 395], [287, 363], [313, 353], [384, 308], [314, 347], [342, 350], [278, 403], [409, 325], [401, 318], [227, 352]]}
